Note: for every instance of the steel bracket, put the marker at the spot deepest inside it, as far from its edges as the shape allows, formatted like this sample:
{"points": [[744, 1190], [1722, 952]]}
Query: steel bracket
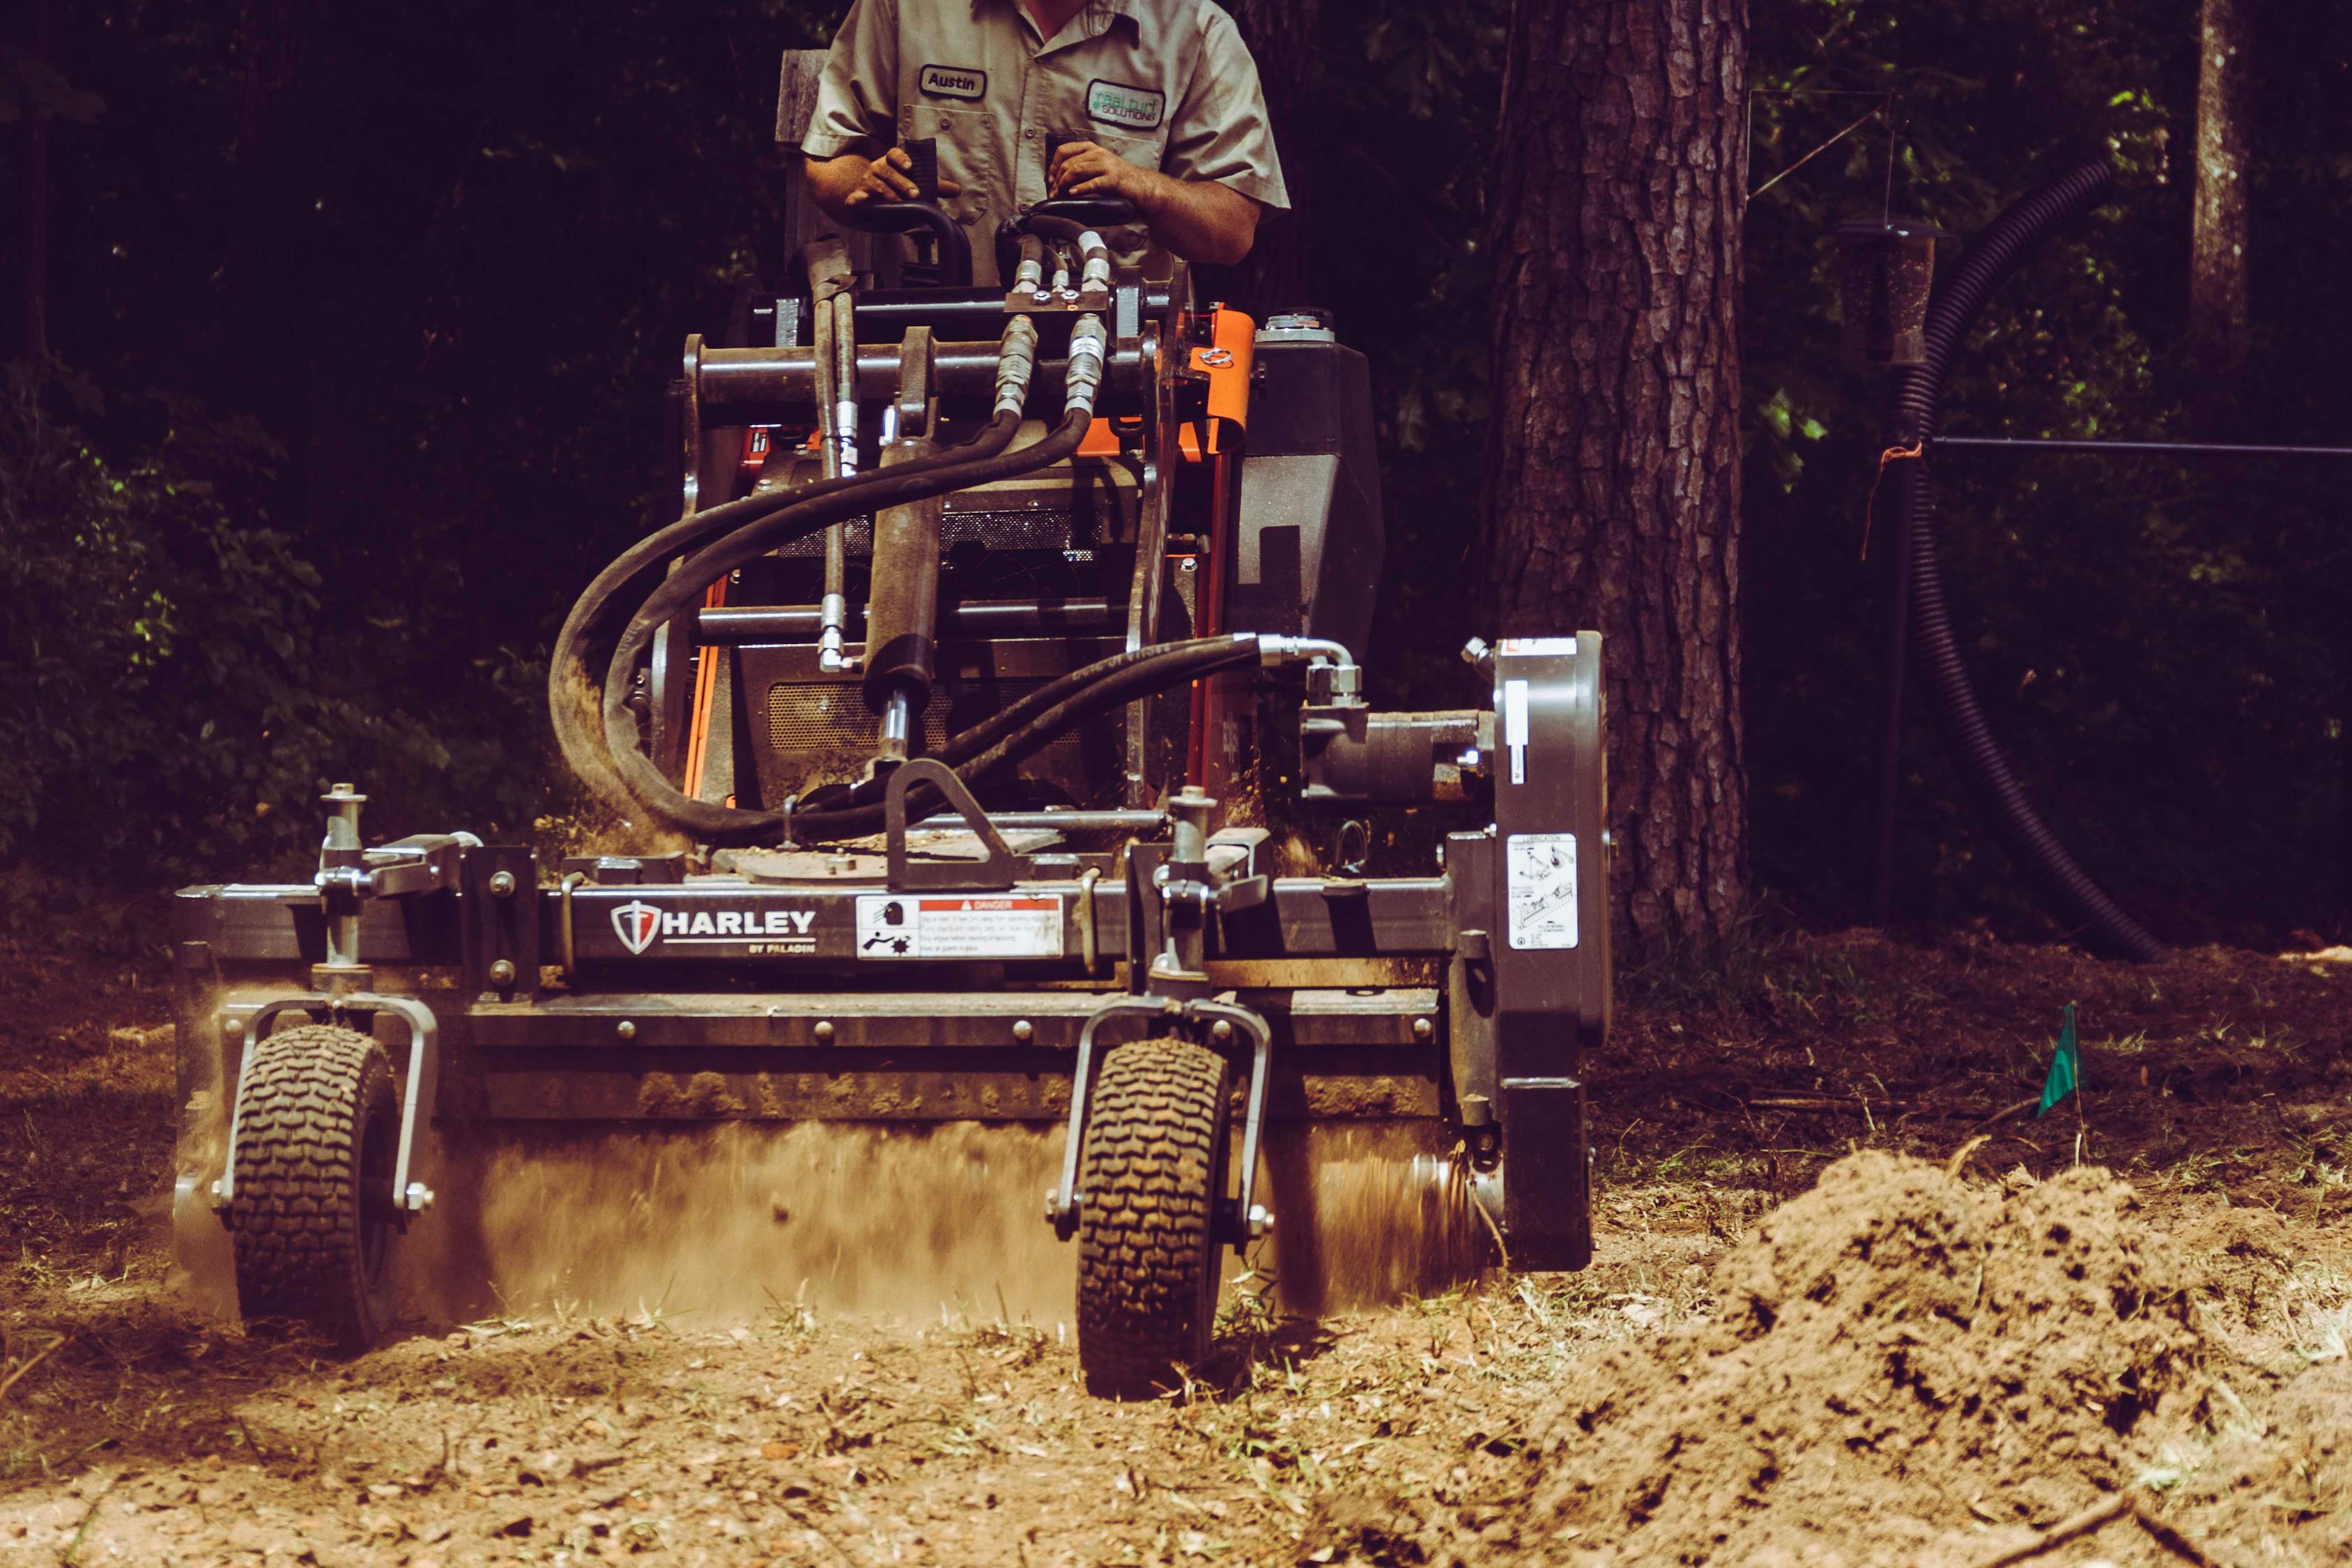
{"points": [[1000, 868]]}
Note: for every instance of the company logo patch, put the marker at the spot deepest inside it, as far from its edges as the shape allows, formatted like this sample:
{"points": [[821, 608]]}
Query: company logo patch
{"points": [[955, 81], [1134, 108], [636, 923]]}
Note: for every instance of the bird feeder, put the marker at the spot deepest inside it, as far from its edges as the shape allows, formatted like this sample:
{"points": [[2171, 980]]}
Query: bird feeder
{"points": [[1886, 270]]}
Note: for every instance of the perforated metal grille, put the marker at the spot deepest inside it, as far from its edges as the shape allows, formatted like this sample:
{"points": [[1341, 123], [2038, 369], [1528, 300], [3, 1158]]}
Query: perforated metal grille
{"points": [[1008, 530]]}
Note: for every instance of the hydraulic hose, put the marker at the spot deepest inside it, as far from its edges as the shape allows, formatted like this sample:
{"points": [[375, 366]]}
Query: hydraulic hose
{"points": [[639, 571], [684, 587], [1031, 724], [2080, 903], [895, 486]]}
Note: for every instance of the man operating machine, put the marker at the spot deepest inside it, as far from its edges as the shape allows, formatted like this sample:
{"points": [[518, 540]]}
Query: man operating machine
{"points": [[1154, 102]]}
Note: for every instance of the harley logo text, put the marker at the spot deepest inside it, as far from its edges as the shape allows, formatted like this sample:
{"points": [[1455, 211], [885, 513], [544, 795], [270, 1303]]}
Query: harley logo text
{"points": [[639, 925]]}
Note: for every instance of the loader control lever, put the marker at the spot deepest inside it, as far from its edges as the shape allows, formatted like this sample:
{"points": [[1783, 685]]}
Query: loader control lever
{"points": [[942, 250]]}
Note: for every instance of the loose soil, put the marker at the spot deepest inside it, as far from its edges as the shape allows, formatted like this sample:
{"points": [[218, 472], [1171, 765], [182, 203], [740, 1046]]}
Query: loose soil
{"points": [[1802, 1339]]}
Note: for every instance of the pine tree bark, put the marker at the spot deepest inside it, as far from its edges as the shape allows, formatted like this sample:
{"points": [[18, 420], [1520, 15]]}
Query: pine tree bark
{"points": [[1282, 36], [2216, 244], [1613, 461]]}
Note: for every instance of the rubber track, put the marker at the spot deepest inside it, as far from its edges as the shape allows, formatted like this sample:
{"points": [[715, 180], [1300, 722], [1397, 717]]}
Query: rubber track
{"points": [[296, 1215], [1150, 1170]]}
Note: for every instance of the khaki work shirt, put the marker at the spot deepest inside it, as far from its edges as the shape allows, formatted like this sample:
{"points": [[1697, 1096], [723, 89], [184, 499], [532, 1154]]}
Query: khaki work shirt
{"points": [[1165, 84]]}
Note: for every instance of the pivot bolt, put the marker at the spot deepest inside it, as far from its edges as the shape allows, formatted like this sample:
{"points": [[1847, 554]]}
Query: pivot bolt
{"points": [[502, 973], [1423, 1030], [1025, 1031], [823, 1031], [1261, 1220], [626, 1029], [502, 885], [1221, 1031], [419, 1197]]}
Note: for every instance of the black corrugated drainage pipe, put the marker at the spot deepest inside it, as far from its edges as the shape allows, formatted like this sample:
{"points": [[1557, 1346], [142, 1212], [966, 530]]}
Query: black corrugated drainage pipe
{"points": [[2079, 904]]}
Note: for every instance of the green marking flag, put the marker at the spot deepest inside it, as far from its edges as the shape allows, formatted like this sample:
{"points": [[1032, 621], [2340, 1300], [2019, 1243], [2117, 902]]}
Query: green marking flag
{"points": [[2065, 1068]]}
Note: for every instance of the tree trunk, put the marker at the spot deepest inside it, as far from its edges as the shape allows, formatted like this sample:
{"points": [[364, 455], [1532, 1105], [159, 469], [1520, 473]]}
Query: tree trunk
{"points": [[36, 318], [1612, 458], [2216, 244], [1282, 36]]}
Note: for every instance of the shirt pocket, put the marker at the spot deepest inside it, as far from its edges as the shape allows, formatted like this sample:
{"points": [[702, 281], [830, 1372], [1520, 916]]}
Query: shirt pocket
{"points": [[968, 157], [1144, 152]]}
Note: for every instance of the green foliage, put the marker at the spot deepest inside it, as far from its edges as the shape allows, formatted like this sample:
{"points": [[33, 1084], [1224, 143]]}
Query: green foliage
{"points": [[176, 684], [154, 654]]}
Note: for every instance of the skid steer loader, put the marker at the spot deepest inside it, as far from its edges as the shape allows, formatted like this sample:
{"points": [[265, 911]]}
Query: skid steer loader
{"points": [[1000, 678]]}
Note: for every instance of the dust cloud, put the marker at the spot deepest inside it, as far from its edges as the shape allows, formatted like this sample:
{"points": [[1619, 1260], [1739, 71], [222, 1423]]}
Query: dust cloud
{"points": [[1366, 1214], [726, 1223], [738, 1220]]}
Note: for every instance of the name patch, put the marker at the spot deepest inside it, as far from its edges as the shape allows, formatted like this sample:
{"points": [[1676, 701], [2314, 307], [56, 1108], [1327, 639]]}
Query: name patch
{"points": [[955, 81], [1133, 108]]}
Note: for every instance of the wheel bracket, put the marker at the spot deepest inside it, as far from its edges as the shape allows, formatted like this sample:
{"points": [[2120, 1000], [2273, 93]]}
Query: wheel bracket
{"points": [[408, 1197], [1222, 1024]]}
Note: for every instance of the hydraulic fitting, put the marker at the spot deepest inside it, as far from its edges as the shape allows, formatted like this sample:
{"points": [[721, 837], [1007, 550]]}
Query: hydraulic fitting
{"points": [[1096, 275], [1083, 377], [1016, 362]]}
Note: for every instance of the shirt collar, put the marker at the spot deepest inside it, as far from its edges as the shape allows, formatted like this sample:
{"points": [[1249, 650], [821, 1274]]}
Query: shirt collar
{"points": [[1126, 10]]}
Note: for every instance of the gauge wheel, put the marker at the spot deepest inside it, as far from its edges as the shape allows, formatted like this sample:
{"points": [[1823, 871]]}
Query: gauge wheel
{"points": [[311, 1213], [1150, 1170]]}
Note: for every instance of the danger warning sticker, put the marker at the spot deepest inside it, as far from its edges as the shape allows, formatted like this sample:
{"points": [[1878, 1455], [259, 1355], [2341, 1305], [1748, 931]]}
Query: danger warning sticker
{"points": [[959, 925]]}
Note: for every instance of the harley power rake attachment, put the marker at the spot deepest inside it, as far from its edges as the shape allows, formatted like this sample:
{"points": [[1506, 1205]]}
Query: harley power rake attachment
{"points": [[998, 669]]}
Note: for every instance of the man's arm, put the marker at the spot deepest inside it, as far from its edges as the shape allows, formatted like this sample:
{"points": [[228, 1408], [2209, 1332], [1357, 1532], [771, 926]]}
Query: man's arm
{"points": [[852, 179], [1200, 220]]}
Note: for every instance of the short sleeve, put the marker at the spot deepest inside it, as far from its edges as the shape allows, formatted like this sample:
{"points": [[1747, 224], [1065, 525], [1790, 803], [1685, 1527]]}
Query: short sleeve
{"points": [[858, 101], [1220, 130]]}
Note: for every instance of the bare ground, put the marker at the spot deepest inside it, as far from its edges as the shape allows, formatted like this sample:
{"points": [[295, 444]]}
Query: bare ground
{"points": [[134, 1427]]}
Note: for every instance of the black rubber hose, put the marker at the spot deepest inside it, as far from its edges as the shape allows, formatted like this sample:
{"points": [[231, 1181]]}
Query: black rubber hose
{"points": [[638, 571], [1029, 727], [730, 825], [2080, 903]]}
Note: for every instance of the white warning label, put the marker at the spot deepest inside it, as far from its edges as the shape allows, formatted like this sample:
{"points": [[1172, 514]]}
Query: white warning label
{"points": [[1539, 645], [1540, 888], [959, 925]]}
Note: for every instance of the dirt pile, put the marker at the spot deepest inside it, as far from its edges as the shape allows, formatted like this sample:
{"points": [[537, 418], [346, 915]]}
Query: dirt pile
{"points": [[1897, 1362]]}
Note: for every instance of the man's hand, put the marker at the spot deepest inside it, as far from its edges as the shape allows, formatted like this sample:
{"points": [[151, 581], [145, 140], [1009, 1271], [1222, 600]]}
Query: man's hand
{"points": [[886, 179], [850, 181], [1200, 220], [1090, 169]]}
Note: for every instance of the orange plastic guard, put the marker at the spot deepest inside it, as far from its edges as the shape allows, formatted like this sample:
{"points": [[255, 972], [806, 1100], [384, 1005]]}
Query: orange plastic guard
{"points": [[1228, 359]]}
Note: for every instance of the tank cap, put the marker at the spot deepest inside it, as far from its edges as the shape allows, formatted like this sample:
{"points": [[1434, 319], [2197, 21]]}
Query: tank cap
{"points": [[1308, 324]]}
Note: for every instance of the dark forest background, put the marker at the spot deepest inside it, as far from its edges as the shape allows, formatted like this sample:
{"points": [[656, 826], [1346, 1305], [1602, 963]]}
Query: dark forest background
{"points": [[358, 320]]}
